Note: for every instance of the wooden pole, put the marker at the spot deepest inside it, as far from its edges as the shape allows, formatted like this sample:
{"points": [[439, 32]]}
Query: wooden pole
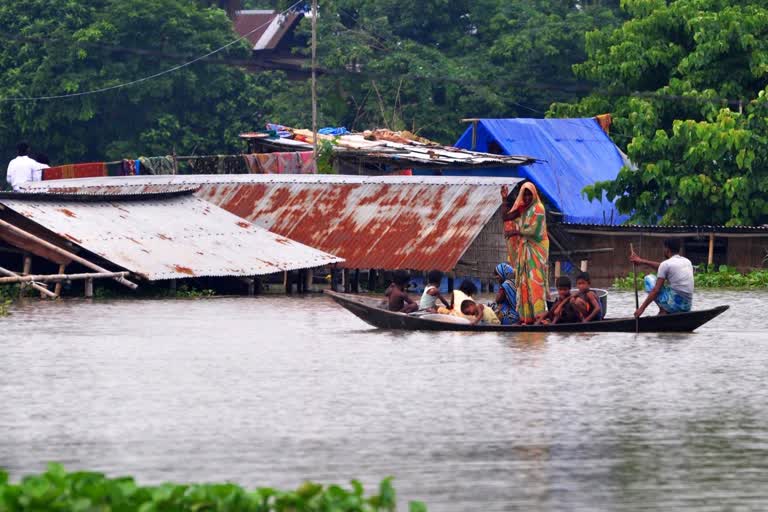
{"points": [[57, 288], [711, 255], [309, 277], [637, 295], [557, 269], [314, 80], [72, 256], [45, 291], [47, 278], [584, 265], [89, 288], [27, 268]]}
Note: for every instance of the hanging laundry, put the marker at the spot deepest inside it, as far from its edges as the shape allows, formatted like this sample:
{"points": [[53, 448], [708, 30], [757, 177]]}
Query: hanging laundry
{"points": [[128, 167], [301, 162], [87, 170], [282, 131], [218, 164], [157, 165]]}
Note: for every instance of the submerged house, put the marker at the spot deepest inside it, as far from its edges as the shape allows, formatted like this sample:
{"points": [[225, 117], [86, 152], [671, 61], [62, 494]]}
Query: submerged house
{"points": [[141, 234], [373, 222]]}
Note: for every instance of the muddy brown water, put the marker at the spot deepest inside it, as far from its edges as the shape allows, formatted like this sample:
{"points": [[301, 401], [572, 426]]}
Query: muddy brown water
{"points": [[275, 390]]}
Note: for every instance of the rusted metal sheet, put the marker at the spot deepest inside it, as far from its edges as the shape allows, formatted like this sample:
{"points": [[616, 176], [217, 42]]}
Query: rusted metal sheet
{"points": [[168, 237], [386, 222]]}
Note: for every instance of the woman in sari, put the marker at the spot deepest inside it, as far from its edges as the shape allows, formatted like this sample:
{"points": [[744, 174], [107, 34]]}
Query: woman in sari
{"points": [[505, 306], [532, 254]]}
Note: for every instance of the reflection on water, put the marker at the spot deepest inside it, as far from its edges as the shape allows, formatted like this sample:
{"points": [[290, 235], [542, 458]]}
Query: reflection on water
{"points": [[274, 390]]}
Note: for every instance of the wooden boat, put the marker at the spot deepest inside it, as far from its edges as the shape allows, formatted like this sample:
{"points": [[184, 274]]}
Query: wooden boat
{"points": [[370, 310]]}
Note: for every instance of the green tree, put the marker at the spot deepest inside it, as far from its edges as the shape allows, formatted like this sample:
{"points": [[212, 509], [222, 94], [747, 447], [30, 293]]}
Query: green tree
{"points": [[665, 74], [423, 65], [68, 46]]}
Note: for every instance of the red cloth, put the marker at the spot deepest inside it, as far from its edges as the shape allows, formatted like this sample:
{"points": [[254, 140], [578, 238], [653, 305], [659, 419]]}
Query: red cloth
{"points": [[89, 170]]}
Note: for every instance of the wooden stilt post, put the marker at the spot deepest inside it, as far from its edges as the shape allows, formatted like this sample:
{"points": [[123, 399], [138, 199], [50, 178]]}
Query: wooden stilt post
{"points": [[356, 281], [172, 286], [371, 280], [89, 288], [27, 267], [711, 255], [57, 288], [345, 280], [309, 276], [258, 286]]}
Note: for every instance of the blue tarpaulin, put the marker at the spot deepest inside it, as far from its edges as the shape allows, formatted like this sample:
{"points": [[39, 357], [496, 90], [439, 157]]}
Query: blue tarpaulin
{"points": [[574, 153]]}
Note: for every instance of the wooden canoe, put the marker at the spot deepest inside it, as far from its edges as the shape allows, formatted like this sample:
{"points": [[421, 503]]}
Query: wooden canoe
{"points": [[370, 310]]}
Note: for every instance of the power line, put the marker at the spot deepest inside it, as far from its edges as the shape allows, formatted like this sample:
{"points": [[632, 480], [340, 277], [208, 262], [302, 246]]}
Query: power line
{"points": [[150, 77]]}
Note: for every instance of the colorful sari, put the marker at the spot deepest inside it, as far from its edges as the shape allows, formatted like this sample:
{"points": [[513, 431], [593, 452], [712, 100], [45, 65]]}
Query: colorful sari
{"points": [[507, 311], [532, 256]]}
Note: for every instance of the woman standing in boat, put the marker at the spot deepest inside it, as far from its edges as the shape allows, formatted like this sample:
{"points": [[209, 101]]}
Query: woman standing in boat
{"points": [[532, 257], [511, 227]]}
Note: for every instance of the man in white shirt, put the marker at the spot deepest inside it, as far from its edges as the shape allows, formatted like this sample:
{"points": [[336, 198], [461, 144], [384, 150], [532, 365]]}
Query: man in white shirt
{"points": [[23, 169], [672, 288]]}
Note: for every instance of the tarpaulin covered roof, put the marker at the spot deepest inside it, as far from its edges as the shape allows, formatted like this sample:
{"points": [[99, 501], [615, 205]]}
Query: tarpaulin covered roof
{"points": [[165, 236], [572, 154], [381, 222]]}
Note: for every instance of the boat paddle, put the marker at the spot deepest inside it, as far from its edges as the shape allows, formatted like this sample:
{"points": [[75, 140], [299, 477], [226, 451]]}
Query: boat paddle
{"points": [[637, 297]]}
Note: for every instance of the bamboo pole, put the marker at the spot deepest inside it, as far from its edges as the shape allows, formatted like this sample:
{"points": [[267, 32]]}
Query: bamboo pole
{"points": [[72, 256], [89, 288], [711, 255], [314, 80], [15, 278], [27, 269], [45, 291]]}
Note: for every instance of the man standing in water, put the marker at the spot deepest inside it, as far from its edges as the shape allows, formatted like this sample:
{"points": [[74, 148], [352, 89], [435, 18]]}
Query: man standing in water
{"points": [[672, 288], [22, 168]]}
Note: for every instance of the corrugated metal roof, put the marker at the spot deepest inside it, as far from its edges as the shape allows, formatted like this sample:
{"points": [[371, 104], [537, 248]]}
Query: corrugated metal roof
{"points": [[165, 238], [264, 29], [414, 153], [704, 229], [384, 222]]}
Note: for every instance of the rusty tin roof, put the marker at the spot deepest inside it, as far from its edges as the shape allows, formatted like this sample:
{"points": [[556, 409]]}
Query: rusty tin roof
{"points": [[383, 222], [167, 237]]}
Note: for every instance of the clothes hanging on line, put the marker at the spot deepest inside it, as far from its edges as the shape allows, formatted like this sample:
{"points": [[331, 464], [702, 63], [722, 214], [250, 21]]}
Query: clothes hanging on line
{"points": [[86, 170], [300, 162], [157, 165]]}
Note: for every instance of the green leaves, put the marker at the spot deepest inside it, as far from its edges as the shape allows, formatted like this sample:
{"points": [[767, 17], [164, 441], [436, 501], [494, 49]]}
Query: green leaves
{"points": [[80, 492]]}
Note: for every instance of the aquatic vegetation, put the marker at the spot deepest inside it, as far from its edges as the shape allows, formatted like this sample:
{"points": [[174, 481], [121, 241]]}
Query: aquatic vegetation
{"points": [[710, 277], [4, 305], [57, 489]]}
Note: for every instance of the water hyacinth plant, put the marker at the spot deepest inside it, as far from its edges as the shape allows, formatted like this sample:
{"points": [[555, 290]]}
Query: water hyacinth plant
{"points": [[59, 490], [720, 277]]}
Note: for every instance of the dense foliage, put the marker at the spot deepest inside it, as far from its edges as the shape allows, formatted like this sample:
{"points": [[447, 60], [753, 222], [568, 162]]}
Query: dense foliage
{"points": [[673, 75], [721, 277], [82, 491], [60, 47]]}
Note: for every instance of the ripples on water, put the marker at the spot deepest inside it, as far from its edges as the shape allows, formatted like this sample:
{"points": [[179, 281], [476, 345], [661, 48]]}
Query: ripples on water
{"points": [[274, 390]]}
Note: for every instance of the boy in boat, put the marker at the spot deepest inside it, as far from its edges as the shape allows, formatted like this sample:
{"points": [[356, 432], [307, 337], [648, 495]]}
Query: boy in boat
{"points": [[672, 288], [397, 296], [562, 311], [466, 291], [585, 301], [478, 313], [432, 293]]}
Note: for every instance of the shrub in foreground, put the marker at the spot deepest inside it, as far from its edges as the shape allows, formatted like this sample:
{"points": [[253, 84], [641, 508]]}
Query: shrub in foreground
{"points": [[57, 490]]}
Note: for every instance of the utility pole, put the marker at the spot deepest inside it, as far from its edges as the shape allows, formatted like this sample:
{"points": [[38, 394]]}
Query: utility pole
{"points": [[314, 80]]}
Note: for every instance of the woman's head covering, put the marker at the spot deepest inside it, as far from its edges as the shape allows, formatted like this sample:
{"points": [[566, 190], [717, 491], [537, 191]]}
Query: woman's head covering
{"points": [[519, 201], [505, 271]]}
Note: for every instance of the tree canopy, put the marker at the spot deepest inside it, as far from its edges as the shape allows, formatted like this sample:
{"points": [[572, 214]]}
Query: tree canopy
{"points": [[60, 47], [685, 81]]}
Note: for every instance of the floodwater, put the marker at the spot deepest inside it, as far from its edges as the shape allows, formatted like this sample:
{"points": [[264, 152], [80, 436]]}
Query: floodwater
{"points": [[275, 390]]}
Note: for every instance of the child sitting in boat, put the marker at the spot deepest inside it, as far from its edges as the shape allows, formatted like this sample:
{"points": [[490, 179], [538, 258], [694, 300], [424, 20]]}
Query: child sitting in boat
{"points": [[585, 301], [397, 296], [562, 311], [478, 313], [506, 298], [466, 291], [432, 293]]}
